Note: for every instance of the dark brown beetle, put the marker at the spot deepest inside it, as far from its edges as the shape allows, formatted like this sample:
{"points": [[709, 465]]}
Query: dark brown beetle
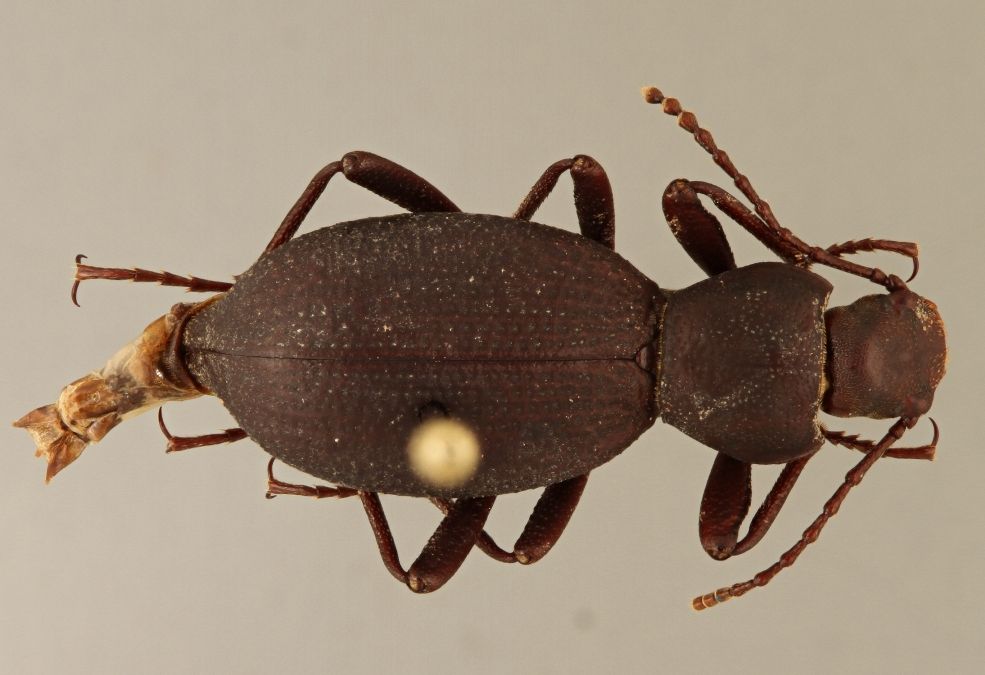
{"points": [[459, 357]]}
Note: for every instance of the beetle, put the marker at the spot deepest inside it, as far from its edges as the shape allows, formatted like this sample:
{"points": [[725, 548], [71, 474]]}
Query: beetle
{"points": [[457, 357]]}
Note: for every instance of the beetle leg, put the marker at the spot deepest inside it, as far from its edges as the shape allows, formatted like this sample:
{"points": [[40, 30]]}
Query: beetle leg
{"points": [[697, 230], [377, 174], [278, 487], [779, 240], [863, 445], [724, 505], [787, 246], [762, 224], [813, 531], [178, 443], [770, 508], [593, 197], [726, 502], [446, 549], [544, 527], [194, 284], [904, 248]]}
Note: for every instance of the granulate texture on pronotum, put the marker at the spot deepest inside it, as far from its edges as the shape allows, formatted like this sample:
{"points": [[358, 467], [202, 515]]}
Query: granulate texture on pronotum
{"points": [[457, 357]]}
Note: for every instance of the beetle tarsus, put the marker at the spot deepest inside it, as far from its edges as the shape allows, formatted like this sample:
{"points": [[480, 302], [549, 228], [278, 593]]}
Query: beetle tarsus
{"points": [[904, 248], [277, 487], [853, 441], [916, 268], [179, 443], [190, 283]]}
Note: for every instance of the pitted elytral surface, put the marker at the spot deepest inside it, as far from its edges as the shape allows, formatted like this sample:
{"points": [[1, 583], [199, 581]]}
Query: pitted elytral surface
{"points": [[742, 361], [325, 349]]}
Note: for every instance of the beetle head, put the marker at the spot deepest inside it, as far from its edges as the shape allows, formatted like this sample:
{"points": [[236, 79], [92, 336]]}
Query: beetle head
{"points": [[140, 375], [886, 355]]}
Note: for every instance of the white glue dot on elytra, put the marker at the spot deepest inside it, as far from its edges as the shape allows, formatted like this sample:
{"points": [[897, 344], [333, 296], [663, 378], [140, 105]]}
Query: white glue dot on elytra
{"points": [[443, 452]]}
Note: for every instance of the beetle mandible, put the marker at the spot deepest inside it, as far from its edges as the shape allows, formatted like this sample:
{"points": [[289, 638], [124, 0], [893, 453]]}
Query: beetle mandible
{"points": [[458, 357]]}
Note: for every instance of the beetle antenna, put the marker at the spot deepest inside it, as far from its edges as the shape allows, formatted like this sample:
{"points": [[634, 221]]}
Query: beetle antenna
{"points": [[832, 256], [810, 535], [689, 123]]}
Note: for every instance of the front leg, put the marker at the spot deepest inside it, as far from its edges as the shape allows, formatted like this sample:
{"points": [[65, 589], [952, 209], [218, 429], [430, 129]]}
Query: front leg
{"points": [[813, 531], [728, 492], [863, 445], [762, 224], [904, 248], [696, 229], [726, 500], [790, 248]]}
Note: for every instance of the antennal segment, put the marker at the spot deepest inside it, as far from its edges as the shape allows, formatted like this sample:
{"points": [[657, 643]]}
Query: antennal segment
{"points": [[689, 122]]}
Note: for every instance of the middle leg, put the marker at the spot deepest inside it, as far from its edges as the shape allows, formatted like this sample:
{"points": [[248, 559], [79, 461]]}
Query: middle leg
{"points": [[377, 174], [593, 197]]}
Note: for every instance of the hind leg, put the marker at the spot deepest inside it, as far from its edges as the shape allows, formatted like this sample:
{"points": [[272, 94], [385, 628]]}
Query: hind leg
{"points": [[377, 174], [446, 549], [85, 272], [544, 527]]}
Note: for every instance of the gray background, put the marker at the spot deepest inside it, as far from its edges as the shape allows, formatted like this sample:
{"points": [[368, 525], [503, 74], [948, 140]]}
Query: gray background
{"points": [[177, 138]]}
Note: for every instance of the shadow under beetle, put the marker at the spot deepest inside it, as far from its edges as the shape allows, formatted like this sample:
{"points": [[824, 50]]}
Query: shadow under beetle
{"points": [[459, 356]]}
